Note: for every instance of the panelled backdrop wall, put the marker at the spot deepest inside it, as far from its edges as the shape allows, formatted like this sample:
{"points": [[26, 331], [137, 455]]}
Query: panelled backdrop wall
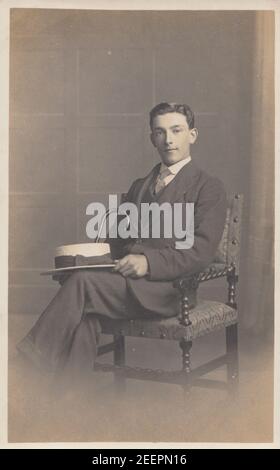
{"points": [[82, 84]]}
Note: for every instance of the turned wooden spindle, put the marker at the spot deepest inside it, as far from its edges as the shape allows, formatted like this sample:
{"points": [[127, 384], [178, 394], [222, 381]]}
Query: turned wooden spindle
{"points": [[185, 309], [186, 356], [187, 288], [232, 280]]}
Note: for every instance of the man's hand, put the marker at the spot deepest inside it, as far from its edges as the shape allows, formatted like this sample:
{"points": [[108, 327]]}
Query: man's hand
{"points": [[134, 266]]}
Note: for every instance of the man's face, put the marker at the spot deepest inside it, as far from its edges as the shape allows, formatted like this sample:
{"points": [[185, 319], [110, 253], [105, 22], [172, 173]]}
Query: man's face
{"points": [[172, 137]]}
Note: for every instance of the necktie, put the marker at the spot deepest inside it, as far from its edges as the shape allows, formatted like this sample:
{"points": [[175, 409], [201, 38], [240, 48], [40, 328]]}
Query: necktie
{"points": [[160, 182]]}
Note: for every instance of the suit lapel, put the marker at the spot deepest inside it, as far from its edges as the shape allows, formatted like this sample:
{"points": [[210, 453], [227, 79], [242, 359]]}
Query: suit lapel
{"points": [[181, 184], [145, 185]]}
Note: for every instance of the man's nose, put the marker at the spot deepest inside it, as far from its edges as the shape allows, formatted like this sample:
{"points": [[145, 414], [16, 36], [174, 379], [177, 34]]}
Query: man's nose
{"points": [[168, 138]]}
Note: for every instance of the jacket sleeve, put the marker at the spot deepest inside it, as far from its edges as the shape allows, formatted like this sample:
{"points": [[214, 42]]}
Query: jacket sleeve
{"points": [[170, 263]]}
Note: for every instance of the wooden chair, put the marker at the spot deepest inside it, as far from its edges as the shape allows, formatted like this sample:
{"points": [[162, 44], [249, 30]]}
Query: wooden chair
{"points": [[205, 318]]}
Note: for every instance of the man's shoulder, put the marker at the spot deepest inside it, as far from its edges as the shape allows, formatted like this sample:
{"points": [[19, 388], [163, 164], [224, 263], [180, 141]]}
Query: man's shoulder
{"points": [[211, 180], [140, 181], [152, 172], [199, 179]]}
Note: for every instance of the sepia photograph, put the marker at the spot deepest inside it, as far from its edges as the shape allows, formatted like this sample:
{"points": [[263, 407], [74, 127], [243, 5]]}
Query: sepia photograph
{"points": [[141, 225]]}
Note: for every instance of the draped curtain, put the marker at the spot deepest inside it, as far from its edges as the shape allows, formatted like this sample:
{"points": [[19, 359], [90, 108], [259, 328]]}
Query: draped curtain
{"points": [[258, 303]]}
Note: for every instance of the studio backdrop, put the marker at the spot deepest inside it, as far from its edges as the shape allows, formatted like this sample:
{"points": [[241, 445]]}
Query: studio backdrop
{"points": [[81, 87]]}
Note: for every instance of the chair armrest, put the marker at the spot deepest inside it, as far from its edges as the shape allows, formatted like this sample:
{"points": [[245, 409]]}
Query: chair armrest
{"points": [[188, 286], [214, 271]]}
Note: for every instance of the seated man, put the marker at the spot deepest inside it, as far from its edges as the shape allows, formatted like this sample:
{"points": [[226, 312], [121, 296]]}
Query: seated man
{"points": [[65, 337]]}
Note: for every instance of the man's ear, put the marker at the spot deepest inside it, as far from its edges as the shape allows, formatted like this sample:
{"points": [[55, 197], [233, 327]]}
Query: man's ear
{"points": [[152, 139], [194, 134]]}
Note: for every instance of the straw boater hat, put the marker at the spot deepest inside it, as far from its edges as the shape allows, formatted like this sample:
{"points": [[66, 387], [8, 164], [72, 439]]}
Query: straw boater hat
{"points": [[81, 256], [95, 255]]}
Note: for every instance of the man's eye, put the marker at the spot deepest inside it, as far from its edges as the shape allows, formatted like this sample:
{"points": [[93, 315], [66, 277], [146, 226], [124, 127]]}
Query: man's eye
{"points": [[176, 131]]}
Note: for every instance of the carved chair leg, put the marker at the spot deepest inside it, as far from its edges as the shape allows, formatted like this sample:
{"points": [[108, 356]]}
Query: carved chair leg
{"points": [[232, 362], [186, 364], [119, 360]]}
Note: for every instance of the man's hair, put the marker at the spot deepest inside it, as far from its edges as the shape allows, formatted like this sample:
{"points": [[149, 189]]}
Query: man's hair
{"points": [[164, 108]]}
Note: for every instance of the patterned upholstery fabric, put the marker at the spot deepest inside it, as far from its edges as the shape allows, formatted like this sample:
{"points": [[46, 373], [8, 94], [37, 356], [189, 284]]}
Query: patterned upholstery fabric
{"points": [[205, 317]]}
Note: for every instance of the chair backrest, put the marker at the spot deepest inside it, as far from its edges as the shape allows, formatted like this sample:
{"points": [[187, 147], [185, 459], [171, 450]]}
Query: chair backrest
{"points": [[229, 248], [228, 252]]}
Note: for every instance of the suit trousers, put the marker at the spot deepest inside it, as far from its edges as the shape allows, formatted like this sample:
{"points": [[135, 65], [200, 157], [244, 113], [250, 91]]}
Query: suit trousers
{"points": [[66, 335]]}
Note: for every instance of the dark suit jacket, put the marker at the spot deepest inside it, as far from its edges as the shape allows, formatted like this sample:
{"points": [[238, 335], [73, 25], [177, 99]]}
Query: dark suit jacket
{"points": [[155, 292]]}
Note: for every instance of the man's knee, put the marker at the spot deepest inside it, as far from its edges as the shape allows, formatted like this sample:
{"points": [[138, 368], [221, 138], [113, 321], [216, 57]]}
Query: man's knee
{"points": [[97, 277], [78, 276]]}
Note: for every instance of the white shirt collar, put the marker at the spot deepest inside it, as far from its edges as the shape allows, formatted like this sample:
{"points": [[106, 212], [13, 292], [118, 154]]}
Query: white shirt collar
{"points": [[176, 167]]}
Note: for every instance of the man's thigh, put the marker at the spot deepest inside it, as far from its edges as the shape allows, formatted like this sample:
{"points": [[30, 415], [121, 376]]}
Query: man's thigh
{"points": [[107, 294]]}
